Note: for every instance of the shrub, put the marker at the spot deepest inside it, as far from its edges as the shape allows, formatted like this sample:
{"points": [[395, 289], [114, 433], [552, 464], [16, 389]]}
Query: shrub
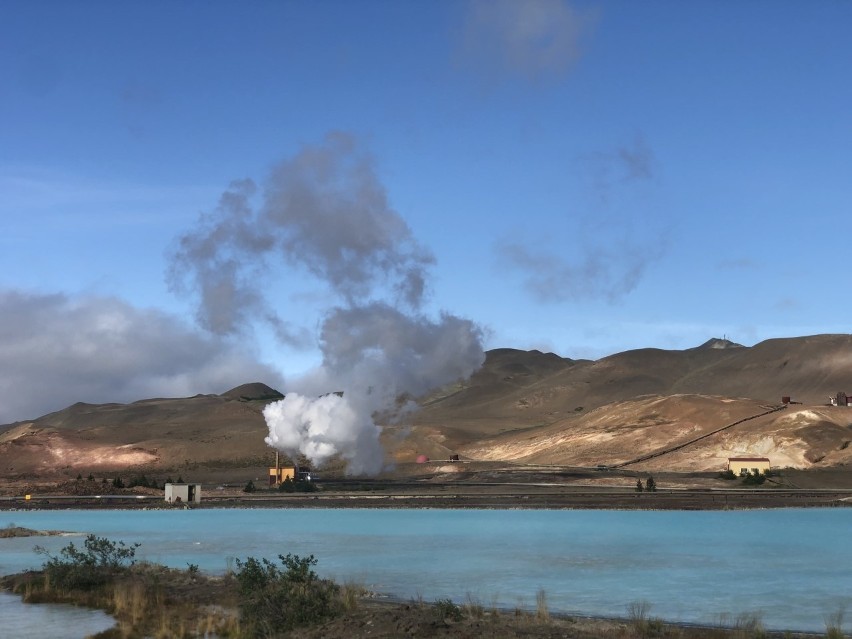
{"points": [[141, 481], [639, 487], [727, 474], [754, 479], [446, 609], [117, 483], [249, 487], [643, 625], [98, 561], [650, 485], [297, 486], [272, 600]]}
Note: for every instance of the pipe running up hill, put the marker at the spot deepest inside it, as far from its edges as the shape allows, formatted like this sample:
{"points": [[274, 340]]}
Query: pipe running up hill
{"points": [[671, 449]]}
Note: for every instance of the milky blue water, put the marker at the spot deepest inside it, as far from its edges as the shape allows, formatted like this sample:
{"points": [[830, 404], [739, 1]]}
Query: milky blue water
{"points": [[793, 567]]}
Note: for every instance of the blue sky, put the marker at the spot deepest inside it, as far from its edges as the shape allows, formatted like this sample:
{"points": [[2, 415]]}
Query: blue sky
{"points": [[589, 177]]}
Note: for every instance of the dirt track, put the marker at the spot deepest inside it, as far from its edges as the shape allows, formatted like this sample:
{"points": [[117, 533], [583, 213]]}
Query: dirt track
{"points": [[489, 487], [471, 497]]}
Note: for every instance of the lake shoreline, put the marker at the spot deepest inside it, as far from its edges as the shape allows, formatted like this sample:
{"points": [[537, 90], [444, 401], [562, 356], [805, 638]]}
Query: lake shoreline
{"points": [[378, 616], [590, 563]]}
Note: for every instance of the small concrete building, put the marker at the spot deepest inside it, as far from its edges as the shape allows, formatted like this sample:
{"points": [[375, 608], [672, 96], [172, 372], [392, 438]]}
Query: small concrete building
{"points": [[745, 465], [183, 493]]}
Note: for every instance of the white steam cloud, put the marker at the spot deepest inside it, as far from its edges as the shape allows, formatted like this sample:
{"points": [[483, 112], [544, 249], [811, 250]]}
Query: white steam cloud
{"points": [[324, 213]]}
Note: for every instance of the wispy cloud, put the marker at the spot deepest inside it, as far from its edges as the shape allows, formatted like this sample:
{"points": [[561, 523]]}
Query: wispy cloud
{"points": [[614, 169], [533, 39], [598, 273], [63, 198], [611, 248]]}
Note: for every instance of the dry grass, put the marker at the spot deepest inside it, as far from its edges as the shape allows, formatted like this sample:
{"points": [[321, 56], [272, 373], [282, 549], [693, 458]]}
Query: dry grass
{"points": [[131, 600], [473, 607], [161, 603], [834, 624], [541, 611], [350, 593]]}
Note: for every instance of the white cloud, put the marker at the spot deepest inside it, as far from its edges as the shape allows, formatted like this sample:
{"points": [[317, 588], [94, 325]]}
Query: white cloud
{"points": [[58, 350]]}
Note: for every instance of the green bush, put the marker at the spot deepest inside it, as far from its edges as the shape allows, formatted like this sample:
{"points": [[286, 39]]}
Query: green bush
{"points": [[141, 481], [90, 567], [446, 609], [754, 479], [249, 487], [272, 600], [727, 474], [297, 486]]}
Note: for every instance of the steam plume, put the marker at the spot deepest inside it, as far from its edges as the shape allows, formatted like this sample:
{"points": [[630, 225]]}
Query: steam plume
{"points": [[324, 213]]}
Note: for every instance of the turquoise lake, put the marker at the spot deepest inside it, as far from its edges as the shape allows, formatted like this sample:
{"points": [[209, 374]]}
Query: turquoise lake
{"points": [[792, 566]]}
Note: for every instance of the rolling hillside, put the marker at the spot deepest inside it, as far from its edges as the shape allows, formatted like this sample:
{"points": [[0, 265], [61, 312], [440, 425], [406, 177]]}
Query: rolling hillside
{"points": [[522, 406]]}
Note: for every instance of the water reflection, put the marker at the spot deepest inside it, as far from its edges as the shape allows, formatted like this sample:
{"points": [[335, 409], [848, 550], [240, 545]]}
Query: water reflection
{"points": [[49, 621]]}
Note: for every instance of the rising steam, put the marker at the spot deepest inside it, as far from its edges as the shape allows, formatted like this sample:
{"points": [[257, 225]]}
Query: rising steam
{"points": [[325, 213]]}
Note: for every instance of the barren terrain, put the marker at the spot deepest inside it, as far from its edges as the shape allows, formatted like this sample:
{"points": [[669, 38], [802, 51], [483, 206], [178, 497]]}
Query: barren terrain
{"points": [[644, 411]]}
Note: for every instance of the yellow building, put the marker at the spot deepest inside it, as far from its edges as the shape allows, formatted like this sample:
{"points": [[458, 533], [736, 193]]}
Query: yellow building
{"points": [[746, 465], [277, 475]]}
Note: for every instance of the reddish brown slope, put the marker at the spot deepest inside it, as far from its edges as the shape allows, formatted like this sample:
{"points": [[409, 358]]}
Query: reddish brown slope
{"points": [[227, 429]]}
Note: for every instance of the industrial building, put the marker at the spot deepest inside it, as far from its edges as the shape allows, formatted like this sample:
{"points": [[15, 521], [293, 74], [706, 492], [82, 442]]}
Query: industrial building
{"points": [[278, 474], [745, 465]]}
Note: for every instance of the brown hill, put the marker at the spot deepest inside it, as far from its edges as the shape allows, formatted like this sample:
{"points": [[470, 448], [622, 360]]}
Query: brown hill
{"points": [[522, 406], [223, 430], [602, 412]]}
